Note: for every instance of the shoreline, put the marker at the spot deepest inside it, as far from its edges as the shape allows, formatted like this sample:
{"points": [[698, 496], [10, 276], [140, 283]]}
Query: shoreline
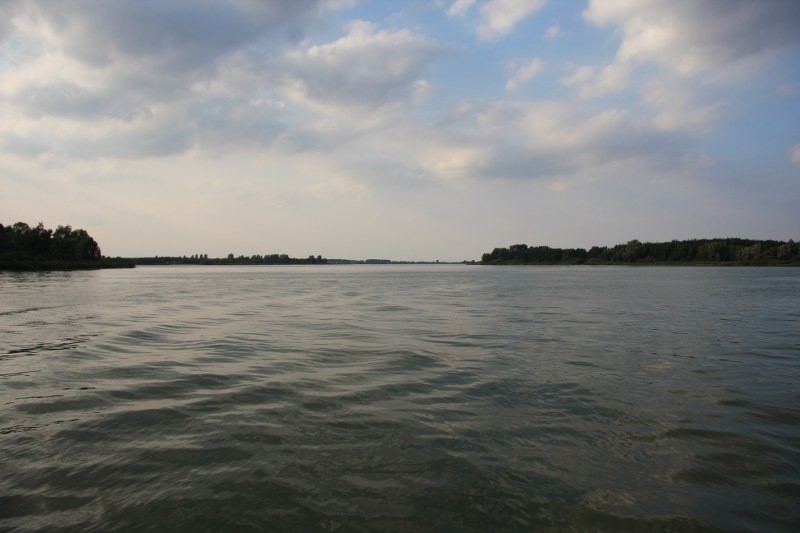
{"points": [[46, 266]]}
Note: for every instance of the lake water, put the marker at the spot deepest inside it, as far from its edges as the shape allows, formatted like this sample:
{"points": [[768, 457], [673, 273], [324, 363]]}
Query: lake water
{"points": [[400, 398]]}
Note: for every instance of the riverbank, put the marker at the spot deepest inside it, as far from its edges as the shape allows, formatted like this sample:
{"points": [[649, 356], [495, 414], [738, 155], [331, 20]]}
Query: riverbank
{"points": [[46, 265]]}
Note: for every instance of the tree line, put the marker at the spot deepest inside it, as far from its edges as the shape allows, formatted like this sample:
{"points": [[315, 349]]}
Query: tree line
{"points": [[695, 251], [21, 242], [203, 259], [25, 247]]}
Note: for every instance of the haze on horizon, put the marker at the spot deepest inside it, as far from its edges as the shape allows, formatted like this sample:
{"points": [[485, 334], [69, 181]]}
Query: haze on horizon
{"points": [[411, 130]]}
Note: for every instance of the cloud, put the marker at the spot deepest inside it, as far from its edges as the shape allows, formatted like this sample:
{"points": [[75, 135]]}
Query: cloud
{"points": [[794, 153], [6, 19], [458, 113], [452, 160], [693, 36], [680, 56], [97, 59], [579, 75], [459, 8], [176, 37], [344, 98], [552, 126], [499, 17], [61, 114], [545, 140], [152, 78], [666, 103], [368, 67], [676, 107], [592, 82], [524, 73], [553, 32]]}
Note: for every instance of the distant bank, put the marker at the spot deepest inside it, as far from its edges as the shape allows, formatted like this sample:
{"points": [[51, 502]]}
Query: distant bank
{"points": [[271, 259], [203, 259], [728, 251], [31, 248]]}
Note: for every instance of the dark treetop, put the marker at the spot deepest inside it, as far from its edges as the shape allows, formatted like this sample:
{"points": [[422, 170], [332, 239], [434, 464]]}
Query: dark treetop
{"points": [[696, 251], [23, 247]]}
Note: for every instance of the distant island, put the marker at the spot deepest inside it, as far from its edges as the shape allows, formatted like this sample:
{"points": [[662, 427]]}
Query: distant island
{"points": [[203, 259], [267, 259], [691, 252], [23, 247]]}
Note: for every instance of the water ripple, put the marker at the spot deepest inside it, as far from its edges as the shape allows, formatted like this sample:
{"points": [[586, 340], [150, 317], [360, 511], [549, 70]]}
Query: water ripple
{"points": [[401, 399]]}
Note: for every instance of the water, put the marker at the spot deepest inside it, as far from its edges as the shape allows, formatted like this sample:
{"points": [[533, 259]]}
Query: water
{"points": [[400, 398]]}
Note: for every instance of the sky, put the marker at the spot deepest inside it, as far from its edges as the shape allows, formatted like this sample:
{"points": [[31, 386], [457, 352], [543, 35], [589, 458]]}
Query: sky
{"points": [[406, 130]]}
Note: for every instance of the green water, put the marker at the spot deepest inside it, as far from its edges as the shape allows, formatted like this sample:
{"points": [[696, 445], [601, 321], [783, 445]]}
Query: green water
{"points": [[400, 398]]}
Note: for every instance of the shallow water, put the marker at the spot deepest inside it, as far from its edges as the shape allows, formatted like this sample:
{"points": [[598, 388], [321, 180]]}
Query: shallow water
{"points": [[403, 398]]}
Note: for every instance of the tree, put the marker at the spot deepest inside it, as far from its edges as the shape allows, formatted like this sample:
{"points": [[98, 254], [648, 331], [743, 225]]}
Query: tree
{"points": [[21, 242]]}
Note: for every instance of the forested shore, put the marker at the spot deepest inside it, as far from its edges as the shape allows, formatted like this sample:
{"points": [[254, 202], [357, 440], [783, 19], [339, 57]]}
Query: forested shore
{"points": [[727, 251], [203, 259], [26, 248]]}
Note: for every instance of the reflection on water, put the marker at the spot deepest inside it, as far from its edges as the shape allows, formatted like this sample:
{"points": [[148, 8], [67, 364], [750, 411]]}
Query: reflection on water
{"points": [[400, 398]]}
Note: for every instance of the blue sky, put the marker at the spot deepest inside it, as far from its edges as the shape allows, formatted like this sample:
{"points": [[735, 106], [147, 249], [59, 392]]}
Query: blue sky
{"points": [[405, 130]]}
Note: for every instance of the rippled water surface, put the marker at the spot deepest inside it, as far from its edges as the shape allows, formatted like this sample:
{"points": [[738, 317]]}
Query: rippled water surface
{"points": [[400, 398]]}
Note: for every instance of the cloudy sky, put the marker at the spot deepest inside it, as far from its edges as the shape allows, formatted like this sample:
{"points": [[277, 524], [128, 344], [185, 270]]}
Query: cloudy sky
{"points": [[399, 129]]}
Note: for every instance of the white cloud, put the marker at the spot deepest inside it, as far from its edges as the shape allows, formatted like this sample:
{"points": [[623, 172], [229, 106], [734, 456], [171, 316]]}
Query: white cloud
{"points": [[524, 73], [556, 139], [592, 83], [612, 78], [579, 75], [158, 79], [367, 67], [553, 32], [697, 47], [499, 17], [135, 79], [459, 8], [454, 161], [676, 108], [693, 36]]}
